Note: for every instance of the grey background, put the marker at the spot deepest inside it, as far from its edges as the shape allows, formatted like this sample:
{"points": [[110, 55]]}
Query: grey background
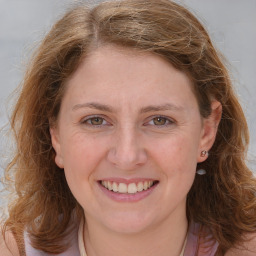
{"points": [[231, 24]]}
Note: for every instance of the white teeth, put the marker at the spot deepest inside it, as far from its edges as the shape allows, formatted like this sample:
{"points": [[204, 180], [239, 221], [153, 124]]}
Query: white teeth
{"points": [[140, 186], [109, 185], [145, 185], [104, 183], [122, 188], [131, 188], [115, 187]]}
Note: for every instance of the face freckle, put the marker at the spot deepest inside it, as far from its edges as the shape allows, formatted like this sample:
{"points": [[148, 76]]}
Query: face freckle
{"points": [[127, 90]]}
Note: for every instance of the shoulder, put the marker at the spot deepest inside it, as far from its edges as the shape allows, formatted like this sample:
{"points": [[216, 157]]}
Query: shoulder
{"points": [[247, 248], [8, 245]]}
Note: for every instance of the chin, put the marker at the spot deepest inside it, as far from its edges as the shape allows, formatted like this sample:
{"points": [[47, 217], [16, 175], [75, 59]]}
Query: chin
{"points": [[129, 223]]}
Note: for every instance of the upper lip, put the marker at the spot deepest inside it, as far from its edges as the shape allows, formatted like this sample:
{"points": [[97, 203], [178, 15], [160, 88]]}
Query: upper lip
{"points": [[127, 181]]}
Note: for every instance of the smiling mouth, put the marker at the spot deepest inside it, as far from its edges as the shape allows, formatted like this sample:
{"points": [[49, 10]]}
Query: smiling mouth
{"points": [[130, 188]]}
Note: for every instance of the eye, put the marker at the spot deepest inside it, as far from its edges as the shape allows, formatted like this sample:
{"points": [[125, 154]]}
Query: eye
{"points": [[160, 121], [94, 121]]}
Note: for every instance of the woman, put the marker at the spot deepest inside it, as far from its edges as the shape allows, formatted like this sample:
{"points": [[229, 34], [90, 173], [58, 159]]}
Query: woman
{"points": [[130, 140]]}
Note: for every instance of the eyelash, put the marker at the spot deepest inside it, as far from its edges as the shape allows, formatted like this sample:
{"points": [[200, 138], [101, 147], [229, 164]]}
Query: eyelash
{"points": [[168, 121], [85, 121]]}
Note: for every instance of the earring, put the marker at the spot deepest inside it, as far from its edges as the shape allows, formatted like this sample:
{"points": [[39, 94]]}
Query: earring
{"points": [[204, 153], [201, 172]]}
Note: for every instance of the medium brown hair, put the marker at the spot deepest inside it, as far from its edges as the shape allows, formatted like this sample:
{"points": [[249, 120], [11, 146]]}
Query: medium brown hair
{"points": [[224, 199]]}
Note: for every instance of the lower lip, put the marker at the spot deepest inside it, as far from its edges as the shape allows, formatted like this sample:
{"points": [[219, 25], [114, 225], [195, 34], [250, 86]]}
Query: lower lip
{"points": [[126, 197]]}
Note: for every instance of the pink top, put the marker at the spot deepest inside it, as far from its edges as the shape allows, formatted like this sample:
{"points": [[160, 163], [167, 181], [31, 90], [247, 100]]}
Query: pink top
{"points": [[195, 246], [200, 245]]}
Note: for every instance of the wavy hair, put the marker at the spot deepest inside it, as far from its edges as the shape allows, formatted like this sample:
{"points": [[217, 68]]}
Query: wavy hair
{"points": [[224, 199]]}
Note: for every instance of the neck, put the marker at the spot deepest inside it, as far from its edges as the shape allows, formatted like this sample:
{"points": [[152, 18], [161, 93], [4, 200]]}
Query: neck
{"points": [[167, 238]]}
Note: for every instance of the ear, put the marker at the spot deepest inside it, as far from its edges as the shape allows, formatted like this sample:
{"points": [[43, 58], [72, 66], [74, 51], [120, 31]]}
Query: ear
{"points": [[56, 145], [209, 131]]}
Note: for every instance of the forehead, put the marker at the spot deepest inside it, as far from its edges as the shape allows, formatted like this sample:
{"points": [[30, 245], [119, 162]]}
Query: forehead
{"points": [[115, 74]]}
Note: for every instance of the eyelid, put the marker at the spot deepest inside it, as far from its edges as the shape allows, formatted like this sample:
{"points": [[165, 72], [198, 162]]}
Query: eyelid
{"points": [[170, 121], [87, 118]]}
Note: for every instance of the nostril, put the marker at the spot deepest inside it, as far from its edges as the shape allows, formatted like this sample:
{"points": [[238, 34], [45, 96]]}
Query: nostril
{"points": [[127, 159]]}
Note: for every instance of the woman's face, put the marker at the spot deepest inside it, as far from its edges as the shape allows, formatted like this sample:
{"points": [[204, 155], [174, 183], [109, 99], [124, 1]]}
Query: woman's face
{"points": [[129, 137]]}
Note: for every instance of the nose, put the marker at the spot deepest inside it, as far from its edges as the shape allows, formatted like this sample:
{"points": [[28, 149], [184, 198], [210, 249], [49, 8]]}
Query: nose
{"points": [[127, 152]]}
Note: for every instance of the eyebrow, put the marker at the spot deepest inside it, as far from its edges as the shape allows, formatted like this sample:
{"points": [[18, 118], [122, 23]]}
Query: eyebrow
{"points": [[167, 106], [94, 105], [107, 108]]}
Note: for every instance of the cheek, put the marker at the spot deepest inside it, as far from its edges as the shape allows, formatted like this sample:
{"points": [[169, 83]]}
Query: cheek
{"points": [[177, 160], [81, 156], [177, 153]]}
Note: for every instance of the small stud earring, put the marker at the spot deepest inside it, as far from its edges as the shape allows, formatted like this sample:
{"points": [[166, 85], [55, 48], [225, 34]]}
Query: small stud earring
{"points": [[204, 153], [201, 172]]}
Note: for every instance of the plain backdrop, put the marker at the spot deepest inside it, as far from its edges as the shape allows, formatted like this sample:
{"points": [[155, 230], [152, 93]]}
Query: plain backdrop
{"points": [[231, 24]]}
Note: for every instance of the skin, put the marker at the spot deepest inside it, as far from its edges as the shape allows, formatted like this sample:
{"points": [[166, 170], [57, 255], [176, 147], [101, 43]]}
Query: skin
{"points": [[8, 245], [129, 143]]}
